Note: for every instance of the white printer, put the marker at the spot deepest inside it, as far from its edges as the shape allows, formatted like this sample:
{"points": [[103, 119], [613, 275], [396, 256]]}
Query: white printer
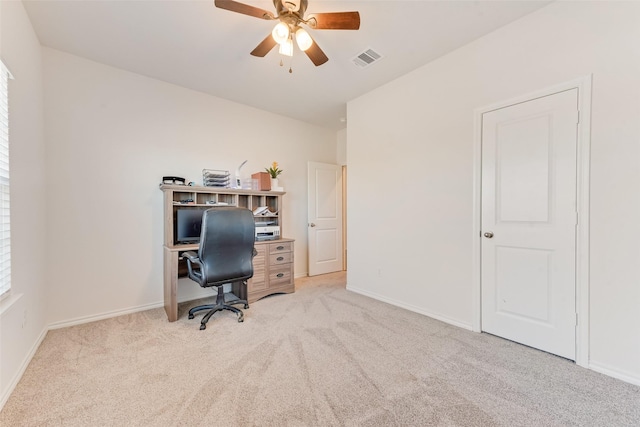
{"points": [[267, 229], [267, 232]]}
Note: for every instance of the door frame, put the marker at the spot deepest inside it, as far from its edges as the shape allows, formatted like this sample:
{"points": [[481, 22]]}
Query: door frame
{"points": [[344, 217], [583, 84]]}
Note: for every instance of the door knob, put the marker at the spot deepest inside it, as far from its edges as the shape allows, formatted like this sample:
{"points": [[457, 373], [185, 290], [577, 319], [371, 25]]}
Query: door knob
{"points": [[312, 225], [488, 234]]}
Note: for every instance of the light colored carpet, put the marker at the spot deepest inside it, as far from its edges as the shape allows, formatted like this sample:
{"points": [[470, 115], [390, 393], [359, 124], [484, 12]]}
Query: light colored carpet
{"points": [[320, 357]]}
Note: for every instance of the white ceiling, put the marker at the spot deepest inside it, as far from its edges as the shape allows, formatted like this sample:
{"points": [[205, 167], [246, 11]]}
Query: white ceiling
{"points": [[193, 44]]}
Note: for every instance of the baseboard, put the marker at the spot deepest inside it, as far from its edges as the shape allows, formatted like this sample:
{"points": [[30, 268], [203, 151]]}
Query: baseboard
{"points": [[619, 374], [410, 307], [23, 367], [102, 316]]}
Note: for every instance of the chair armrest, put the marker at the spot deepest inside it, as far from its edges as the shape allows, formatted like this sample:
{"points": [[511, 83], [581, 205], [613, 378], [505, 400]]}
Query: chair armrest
{"points": [[192, 257]]}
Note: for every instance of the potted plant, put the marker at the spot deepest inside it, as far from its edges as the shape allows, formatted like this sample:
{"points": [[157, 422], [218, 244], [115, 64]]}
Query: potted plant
{"points": [[274, 171]]}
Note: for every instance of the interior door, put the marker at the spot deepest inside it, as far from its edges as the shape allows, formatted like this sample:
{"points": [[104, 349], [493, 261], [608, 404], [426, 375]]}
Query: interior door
{"points": [[529, 218], [324, 218]]}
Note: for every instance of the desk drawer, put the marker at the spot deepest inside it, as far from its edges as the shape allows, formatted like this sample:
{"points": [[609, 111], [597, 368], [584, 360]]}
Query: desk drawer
{"points": [[276, 248], [283, 258], [280, 276]]}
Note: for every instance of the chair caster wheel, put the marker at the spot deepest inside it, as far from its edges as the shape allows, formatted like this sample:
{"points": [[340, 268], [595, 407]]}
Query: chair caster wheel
{"points": [[203, 327], [240, 320], [246, 306], [191, 316]]}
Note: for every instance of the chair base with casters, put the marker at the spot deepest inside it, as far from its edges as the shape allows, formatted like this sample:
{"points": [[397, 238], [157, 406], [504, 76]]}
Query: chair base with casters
{"points": [[223, 302]]}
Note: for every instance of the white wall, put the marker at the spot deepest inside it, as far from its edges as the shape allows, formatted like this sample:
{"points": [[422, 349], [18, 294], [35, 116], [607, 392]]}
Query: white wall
{"points": [[410, 151], [111, 136], [22, 316]]}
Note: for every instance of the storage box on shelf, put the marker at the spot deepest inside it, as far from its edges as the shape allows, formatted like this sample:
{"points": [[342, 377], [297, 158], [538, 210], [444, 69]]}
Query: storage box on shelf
{"points": [[263, 179], [273, 266]]}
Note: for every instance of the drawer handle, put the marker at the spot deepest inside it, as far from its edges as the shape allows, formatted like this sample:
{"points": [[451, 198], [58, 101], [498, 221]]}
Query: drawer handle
{"points": [[280, 258], [280, 248], [280, 275]]}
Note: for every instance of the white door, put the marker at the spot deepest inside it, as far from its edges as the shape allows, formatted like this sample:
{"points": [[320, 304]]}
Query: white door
{"points": [[324, 218], [529, 218]]}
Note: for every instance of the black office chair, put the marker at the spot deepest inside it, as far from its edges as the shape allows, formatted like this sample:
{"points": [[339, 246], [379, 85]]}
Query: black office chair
{"points": [[225, 256]]}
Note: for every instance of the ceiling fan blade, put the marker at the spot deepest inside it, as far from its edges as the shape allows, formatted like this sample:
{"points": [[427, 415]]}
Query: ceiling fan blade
{"points": [[264, 47], [334, 21], [245, 9], [316, 55]]}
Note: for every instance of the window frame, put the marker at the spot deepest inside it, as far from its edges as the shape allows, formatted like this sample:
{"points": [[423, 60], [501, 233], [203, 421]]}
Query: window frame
{"points": [[5, 185]]}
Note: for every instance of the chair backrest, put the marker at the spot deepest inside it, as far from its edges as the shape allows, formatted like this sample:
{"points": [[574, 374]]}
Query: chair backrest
{"points": [[226, 245]]}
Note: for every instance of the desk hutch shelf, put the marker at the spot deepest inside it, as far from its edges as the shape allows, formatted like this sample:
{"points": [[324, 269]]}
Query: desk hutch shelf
{"points": [[272, 267]]}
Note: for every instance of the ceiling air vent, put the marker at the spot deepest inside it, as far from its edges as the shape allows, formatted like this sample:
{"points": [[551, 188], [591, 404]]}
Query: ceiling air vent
{"points": [[366, 58]]}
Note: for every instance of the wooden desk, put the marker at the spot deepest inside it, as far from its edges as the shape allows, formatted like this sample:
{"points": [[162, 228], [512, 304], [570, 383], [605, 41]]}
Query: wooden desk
{"points": [[272, 267]]}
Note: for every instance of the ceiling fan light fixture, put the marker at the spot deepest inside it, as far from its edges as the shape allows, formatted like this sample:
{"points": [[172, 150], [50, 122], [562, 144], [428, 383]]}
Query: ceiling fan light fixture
{"points": [[303, 39], [280, 33], [286, 48]]}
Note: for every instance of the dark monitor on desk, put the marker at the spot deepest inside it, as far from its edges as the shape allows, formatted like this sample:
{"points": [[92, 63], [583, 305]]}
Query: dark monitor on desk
{"points": [[188, 224]]}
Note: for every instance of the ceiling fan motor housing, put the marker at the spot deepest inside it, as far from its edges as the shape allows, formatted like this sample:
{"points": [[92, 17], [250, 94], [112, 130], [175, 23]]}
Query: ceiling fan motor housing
{"points": [[284, 6], [290, 12]]}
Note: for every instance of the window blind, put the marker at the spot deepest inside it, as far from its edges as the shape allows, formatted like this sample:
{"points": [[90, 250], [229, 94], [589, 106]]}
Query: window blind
{"points": [[5, 225]]}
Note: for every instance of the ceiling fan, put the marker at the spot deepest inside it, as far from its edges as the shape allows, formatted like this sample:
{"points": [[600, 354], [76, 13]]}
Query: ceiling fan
{"points": [[290, 13]]}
